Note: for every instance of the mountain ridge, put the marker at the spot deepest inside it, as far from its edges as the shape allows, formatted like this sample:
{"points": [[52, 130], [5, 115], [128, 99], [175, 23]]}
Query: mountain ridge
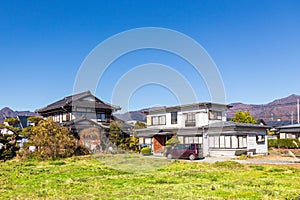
{"points": [[7, 112]]}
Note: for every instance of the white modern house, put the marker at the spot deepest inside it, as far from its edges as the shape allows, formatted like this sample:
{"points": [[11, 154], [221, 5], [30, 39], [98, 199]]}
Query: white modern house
{"points": [[202, 123]]}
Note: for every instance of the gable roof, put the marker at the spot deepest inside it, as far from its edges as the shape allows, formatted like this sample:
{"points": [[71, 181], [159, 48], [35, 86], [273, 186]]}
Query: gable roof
{"points": [[74, 100]]}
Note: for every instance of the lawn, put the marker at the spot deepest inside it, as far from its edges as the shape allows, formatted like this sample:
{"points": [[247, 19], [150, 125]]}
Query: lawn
{"points": [[133, 177]]}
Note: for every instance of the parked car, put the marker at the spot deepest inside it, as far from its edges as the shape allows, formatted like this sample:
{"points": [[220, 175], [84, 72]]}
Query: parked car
{"points": [[190, 151]]}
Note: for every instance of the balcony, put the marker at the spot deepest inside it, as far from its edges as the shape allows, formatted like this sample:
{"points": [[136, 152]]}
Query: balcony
{"points": [[190, 123]]}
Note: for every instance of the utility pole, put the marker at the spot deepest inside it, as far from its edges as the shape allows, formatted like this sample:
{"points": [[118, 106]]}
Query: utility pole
{"points": [[292, 118], [298, 111], [272, 117]]}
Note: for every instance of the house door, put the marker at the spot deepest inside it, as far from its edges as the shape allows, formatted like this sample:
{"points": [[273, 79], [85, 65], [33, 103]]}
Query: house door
{"points": [[158, 143]]}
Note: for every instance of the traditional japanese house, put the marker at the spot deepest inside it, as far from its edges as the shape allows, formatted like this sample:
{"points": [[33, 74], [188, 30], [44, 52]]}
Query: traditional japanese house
{"points": [[85, 115]]}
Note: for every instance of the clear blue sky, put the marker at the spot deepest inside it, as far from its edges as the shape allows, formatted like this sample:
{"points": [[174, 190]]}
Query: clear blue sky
{"points": [[255, 44]]}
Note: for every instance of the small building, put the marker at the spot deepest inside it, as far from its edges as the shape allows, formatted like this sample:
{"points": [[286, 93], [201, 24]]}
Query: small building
{"points": [[86, 116], [202, 123], [289, 131]]}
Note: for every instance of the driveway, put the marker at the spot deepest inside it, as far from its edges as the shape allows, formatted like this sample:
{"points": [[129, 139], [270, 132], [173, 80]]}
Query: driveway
{"points": [[255, 160], [270, 159]]}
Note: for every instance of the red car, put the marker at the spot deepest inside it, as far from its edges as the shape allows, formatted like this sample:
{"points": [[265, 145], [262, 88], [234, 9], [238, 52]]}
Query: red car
{"points": [[190, 151]]}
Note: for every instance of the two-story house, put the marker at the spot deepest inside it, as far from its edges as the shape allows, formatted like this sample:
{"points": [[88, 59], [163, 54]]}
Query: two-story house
{"points": [[202, 123], [84, 114]]}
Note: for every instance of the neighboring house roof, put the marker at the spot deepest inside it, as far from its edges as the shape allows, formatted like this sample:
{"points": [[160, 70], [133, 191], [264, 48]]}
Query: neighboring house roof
{"points": [[279, 123], [74, 100], [234, 124], [294, 128]]}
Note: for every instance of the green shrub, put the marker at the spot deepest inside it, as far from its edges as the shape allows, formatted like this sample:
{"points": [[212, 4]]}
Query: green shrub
{"points": [[172, 142], [258, 167], [81, 151], [284, 143], [146, 151]]}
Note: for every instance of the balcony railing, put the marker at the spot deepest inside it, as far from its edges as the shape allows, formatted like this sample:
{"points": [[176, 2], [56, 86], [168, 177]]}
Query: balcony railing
{"points": [[188, 124]]}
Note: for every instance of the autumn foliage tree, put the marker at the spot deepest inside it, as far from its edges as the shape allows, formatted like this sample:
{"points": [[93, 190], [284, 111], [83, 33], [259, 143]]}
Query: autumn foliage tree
{"points": [[50, 140], [116, 136], [243, 117]]}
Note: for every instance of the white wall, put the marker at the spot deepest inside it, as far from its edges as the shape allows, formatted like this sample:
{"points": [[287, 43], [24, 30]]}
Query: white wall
{"points": [[201, 116], [260, 148]]}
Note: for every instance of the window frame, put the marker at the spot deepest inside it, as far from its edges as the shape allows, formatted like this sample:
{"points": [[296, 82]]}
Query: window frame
{"points": [[100, 116], [215, 115], [261, 140], [159, 120], [190, 119], [226, 142], [174, 117]]}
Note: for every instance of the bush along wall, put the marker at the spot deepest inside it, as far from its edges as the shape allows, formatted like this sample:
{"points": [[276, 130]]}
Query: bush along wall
{"points": [[284, 143], [146, 151]]}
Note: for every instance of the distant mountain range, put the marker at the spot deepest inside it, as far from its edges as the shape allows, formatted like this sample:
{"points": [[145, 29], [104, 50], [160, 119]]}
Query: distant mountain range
{"points": [[279, 109], [7, 112], [132, 115], [283, 109]]}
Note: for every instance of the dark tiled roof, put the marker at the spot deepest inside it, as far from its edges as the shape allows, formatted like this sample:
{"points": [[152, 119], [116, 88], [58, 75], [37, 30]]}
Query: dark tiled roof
{"points": [[279, 123], [73, 100], [292, 128], [289, 126]]}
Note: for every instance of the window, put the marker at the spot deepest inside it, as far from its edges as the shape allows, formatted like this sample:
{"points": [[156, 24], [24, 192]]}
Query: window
{"points": [[191, 140], [228, 142], [148, 141], [141, 140], [64, 116], [56, 117], [216, 142], [173, 117], [81, 109], [190, 119], [234, 142], [215, 115], [159, 120], [242, 140], [180, 138], [260, 139], [101, 117], [80, 114], [222, 141]]}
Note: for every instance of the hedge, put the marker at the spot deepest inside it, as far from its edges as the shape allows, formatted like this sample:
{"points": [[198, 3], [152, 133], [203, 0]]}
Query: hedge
{"points": [[146, 151], [284, 143]]}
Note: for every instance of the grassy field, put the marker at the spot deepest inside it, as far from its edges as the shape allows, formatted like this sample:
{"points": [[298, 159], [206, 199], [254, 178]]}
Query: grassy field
{"points": [[132, 177]]}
